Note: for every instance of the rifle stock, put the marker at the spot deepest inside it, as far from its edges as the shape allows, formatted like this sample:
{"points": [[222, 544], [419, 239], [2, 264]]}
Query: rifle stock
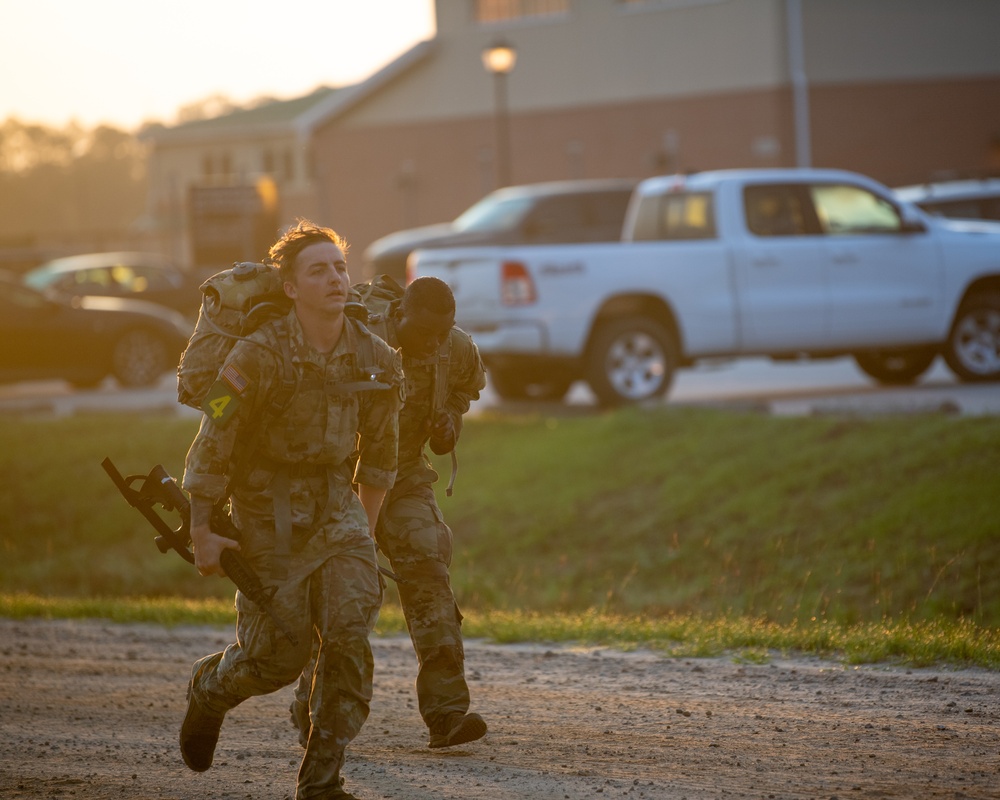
{"points": [[159, 488]]}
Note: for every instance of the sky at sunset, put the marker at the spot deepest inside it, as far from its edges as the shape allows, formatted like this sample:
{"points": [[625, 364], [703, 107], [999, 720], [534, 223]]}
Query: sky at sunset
{"points": [[125, 62]]}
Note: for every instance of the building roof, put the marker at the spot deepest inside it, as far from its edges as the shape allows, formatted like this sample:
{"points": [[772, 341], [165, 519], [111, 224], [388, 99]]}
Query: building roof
{"points": [[273, 117], [335, 105], [300, 115]]}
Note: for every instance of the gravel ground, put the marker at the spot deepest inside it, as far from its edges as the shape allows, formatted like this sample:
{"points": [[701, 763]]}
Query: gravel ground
{"points": [[92, 710]]}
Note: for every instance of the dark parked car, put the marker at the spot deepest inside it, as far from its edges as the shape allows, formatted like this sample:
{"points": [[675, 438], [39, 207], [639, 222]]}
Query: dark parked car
{"points": [[45, 336], [561, 212], [962, 199], [142, 276]]}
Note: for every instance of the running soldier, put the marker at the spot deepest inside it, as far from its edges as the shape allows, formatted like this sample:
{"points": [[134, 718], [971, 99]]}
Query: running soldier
{"points": [[287, 459]]}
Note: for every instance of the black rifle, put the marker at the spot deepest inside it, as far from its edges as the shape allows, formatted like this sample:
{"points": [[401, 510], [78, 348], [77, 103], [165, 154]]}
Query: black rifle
{"points": [[159, 488]]}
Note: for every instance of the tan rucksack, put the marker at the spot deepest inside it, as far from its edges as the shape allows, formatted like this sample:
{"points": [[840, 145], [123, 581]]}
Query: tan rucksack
{"points": [[234, 304], [377, 296]]}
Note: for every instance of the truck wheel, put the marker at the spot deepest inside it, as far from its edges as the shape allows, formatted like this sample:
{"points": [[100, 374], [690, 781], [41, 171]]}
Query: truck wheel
{"points": [[514, 384], [972, 351], [631, 360], [896, 367]]}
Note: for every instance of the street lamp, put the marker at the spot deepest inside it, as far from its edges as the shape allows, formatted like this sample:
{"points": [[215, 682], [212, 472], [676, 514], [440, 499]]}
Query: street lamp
{"points": [[499, 59]]}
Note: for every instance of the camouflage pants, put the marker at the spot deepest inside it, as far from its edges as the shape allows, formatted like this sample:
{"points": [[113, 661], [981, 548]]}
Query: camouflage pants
{"points": [[331, 597], [413, 535]]}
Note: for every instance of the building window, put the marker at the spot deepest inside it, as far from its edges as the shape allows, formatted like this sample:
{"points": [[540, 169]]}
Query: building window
{"points": [[267, 162], [289, 165], [508, 10]]}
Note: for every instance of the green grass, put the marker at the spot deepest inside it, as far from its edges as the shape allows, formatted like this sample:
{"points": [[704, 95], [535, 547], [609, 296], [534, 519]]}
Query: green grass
{"points": [[684, 531], [676, 636]]}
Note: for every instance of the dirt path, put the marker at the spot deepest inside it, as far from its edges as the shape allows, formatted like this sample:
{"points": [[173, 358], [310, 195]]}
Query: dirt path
{"points": [[91, 710]]}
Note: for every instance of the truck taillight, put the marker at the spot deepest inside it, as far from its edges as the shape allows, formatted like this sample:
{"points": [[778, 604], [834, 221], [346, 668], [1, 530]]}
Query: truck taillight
{"points": [[516, 286]]}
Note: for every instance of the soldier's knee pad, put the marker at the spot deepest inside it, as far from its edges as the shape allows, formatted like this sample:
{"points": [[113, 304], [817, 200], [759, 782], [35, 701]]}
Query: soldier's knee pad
{"points": [[424, 570]]}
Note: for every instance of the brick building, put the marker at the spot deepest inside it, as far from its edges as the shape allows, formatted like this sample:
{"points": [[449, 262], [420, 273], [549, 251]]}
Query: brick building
{"points": [[902, 90]]}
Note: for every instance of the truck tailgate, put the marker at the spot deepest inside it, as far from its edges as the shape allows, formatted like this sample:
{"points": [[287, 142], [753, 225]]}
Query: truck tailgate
{"points": [[474, 278]]}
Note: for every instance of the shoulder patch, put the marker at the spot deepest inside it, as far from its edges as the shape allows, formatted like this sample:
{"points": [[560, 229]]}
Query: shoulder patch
{"points": [[223, 399], [235, 379]]}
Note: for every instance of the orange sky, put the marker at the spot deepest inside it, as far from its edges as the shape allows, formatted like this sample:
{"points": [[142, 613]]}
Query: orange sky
{"points": [[125, 62]]}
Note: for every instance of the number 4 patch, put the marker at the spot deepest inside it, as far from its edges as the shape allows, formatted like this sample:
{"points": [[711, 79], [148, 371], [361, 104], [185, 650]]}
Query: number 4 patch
{"points": [[223, 398]]}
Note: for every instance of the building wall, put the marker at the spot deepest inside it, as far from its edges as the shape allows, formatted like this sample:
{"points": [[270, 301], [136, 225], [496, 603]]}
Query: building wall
{"points": [[908, 132], [602, 52], [861, 41], [897, 89], [599, 53], [375, 180], [177, 166]]}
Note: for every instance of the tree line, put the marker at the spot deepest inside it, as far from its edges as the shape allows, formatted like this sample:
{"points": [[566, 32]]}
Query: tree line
{"points": [[75, 188], [63, 184]]}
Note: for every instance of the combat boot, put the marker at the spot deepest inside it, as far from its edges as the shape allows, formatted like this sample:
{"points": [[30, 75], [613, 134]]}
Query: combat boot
{"points": [[199, 734], [457, 728]]}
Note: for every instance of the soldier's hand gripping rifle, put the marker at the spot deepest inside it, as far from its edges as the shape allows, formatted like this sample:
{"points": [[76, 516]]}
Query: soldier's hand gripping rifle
{"points": [[159, 488]]}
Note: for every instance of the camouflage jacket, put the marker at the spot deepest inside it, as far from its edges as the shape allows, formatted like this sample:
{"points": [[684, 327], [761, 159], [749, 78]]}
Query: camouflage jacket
{"points": [[466, 377], [353, 433]]}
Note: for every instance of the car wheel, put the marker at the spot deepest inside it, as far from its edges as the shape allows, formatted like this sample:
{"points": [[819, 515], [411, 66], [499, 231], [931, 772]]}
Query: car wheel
{"points": [[139, 358], [514, 384], [630, 361], [972, 351], [896, 367]]}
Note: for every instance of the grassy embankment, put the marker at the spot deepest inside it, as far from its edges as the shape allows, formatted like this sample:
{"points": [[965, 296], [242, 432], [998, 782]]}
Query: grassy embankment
{"points": [[693, 532]]}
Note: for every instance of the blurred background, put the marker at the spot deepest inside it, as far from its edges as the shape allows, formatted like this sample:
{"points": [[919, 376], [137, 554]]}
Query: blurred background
{"points": [[196, 131]]}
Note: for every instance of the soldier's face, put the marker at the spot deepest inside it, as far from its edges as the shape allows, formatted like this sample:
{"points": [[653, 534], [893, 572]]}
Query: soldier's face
{"points": [[421, 332], [320, 281]]}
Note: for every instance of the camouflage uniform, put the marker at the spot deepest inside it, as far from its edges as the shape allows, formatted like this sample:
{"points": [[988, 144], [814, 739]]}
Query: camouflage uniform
{"points": [[300, 471], [412, 533]]}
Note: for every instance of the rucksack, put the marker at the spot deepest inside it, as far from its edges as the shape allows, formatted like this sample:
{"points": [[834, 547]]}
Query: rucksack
{"points": [[377, 296], [235, 303]]}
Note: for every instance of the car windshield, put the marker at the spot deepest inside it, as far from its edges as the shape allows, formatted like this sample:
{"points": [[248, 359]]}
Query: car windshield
{"points": [[493, 214], [39, 278]]}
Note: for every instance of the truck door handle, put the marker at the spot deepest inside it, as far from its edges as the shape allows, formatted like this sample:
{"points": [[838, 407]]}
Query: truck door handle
{"points": [[765, 261], [845, 258]]}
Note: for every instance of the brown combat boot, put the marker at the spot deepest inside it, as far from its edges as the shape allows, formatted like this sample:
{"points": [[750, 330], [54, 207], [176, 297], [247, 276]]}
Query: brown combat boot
{"points": [[457, 729], [199, 734]]}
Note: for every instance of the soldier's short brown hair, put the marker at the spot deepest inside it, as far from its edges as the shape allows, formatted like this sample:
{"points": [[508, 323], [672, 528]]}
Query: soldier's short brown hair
{"points": [[284, 251]]}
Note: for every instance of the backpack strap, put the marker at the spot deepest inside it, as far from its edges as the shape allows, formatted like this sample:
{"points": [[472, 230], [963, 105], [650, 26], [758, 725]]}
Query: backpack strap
{"points": [[439, 398], [366, 363]]}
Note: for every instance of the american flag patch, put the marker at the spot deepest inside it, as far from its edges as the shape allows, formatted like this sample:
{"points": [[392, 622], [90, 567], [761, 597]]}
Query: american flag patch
{"points": [[234, 378]]}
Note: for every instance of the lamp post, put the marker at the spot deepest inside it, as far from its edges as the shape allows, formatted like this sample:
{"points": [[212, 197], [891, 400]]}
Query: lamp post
{"points": [[499, 59]]}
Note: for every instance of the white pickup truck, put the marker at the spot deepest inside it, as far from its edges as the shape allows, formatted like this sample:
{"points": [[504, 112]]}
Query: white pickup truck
{"points": [[785, 263]]}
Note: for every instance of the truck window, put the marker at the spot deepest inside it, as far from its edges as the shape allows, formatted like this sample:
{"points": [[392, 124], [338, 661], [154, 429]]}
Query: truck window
{"points": [[844, 209], [675, 216], [556, 219], [606, 214], [491, 214], [587, 217], [776, 210]]}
